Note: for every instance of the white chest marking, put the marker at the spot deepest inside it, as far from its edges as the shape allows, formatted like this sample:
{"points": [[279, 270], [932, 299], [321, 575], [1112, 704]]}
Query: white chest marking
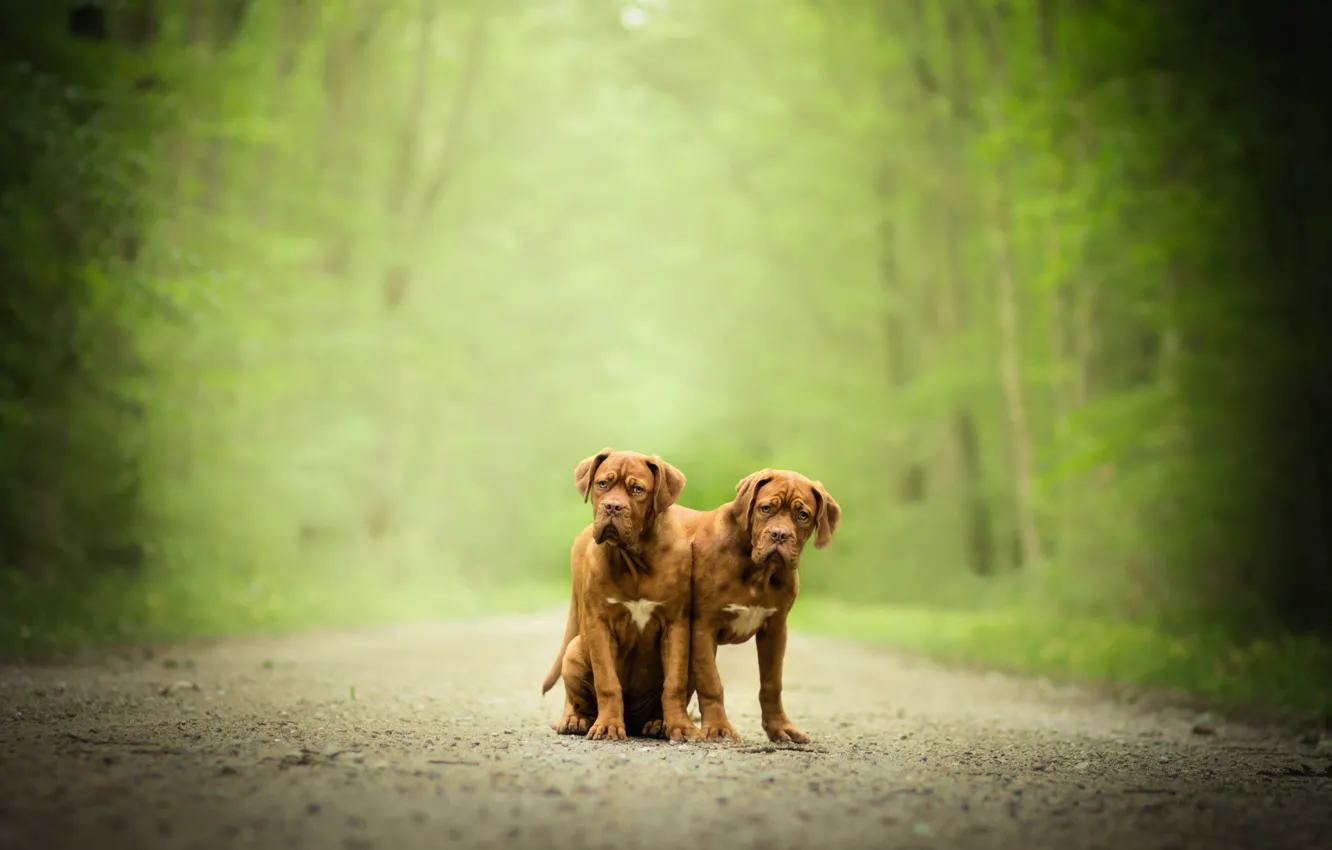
{"points": [[640, 612], [748, 618]]}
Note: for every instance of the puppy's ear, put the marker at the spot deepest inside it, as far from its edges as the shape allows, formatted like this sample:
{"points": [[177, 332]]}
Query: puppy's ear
{"points": [[745, 491], [826, 518], [587, 470], [670, 481]]}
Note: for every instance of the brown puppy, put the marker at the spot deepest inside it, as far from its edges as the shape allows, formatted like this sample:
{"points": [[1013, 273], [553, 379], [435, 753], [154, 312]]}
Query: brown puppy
{"points": [[625, 653], [746, 555]]}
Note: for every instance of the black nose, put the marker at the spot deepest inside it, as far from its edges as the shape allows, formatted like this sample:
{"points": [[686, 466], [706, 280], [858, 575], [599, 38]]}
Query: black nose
{"points": [[779, 535], [613, 508]]}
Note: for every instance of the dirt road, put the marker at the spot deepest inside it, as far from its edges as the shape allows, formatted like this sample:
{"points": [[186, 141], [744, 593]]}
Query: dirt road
{"points": [[436, 737]]}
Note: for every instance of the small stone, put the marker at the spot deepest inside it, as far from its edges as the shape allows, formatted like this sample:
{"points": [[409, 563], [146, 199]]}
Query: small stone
{"points": [[178, 686]]}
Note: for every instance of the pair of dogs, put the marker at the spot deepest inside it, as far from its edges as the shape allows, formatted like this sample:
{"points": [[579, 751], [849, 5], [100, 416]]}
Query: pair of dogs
{"points": [[658, 586]]}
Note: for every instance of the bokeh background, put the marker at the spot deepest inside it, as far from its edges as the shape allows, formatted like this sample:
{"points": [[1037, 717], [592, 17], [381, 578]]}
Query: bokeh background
{"points": [[313, 305]]}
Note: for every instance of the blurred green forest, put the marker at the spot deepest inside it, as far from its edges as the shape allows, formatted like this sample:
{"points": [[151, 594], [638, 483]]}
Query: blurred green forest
{"points": [[315, 304]]}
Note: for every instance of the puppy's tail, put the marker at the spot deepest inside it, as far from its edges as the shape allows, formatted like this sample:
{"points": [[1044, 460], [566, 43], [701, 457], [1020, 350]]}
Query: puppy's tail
{"points": [[570, 632]]}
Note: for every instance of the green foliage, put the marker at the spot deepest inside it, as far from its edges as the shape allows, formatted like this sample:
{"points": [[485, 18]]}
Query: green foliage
{"points": [[349, 291], [73, 158], [1288, 672]]}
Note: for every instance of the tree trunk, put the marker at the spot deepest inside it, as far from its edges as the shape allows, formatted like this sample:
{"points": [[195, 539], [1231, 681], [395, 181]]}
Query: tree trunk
{"points": [[446, 163], [954, 303], [894, 331], [1007, 307], [410, 139], [1010, 371], [1082, 310], [907, 470], [344, 61], [980, 523], [1010, 376]]}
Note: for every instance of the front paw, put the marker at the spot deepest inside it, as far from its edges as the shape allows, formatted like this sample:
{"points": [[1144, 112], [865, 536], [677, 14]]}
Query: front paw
{"points": [[785, 732], [607, 729], [683, 730], [573, 724], [722, 731]]}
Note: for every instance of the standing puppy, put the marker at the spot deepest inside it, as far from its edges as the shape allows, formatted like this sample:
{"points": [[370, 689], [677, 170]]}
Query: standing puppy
{"points": [[625, 654], [746, 555]]}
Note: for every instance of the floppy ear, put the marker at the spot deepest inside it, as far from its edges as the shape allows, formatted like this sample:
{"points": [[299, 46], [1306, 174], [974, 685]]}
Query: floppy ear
{"points": [[587, 470], [745, 491], [670, 481], [827, 517]]}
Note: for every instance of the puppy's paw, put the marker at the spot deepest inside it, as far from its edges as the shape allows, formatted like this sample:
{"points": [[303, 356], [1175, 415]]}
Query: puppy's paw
{"points": [[654, 729], [607, 730], [573, 724], [686, 731], [785, 732], [719, 732]]}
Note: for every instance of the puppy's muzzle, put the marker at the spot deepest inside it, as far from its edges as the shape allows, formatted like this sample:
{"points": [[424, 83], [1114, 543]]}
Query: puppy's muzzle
{"points": [[776, 542], [612, 522]]}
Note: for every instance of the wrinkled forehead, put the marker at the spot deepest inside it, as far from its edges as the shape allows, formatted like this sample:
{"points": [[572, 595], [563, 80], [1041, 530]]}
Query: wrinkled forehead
{"points": [[625, 465], [789, 487]]}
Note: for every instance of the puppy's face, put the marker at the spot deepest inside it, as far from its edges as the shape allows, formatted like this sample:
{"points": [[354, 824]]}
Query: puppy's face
{"points": [[627, 491], [781, 510]]}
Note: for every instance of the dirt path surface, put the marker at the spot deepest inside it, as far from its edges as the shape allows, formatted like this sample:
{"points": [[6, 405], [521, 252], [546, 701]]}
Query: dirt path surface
{"points": [[436, 737]]}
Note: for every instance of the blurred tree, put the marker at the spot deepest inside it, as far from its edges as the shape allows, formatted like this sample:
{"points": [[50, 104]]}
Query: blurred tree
{"points": [[381, 274]]}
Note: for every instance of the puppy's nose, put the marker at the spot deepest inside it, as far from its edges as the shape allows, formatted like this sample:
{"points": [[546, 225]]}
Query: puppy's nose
{"points": [[779, 535], [613, 508]]}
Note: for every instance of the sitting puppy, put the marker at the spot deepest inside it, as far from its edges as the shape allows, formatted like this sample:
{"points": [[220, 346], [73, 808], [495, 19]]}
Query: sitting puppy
{"points": [[746, 555], [625, 653]]}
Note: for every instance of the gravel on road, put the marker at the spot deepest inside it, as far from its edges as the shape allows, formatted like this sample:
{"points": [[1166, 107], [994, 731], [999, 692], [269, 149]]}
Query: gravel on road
{"points": [[436, 736]]}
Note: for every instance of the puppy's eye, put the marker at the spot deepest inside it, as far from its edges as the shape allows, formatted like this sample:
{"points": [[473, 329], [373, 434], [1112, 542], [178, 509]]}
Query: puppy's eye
{"points": [[767, 509], [603, 484], [637, 490], [804, 516]]}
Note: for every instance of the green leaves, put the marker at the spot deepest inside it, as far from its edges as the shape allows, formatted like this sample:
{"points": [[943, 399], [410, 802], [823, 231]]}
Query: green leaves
{"points": [[722, 235]]}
